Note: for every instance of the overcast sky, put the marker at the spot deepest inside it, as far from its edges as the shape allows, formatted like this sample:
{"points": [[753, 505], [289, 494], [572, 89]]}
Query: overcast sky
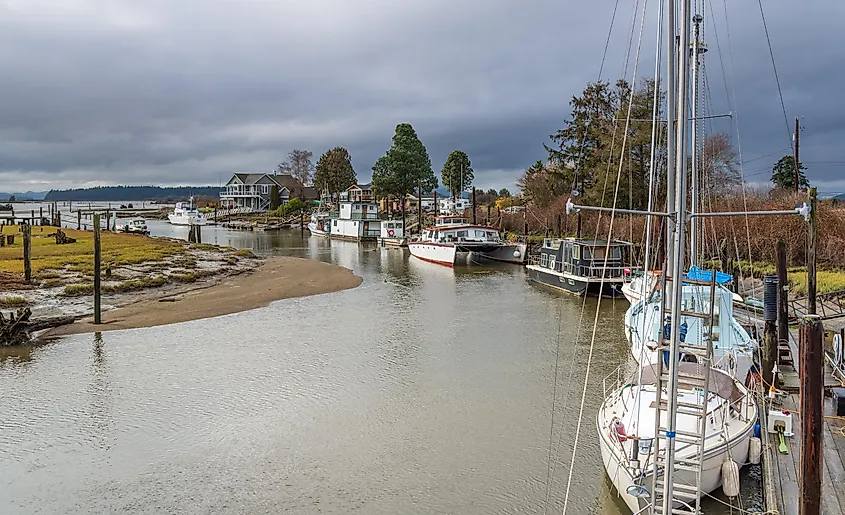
{"points": [[188, 92]]}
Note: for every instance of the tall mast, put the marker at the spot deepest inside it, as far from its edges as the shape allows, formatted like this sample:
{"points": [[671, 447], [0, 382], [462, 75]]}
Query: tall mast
{"points": [[655, 112], [697, 50], [671, 78], [677, 269]]}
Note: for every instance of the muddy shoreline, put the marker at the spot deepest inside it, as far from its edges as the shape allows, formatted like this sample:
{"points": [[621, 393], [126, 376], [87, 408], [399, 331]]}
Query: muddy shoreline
{"points": [[273, 279]]}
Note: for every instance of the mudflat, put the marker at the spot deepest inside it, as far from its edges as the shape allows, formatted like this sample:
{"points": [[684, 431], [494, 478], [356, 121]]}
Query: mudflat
{"points": [[276, 279]]}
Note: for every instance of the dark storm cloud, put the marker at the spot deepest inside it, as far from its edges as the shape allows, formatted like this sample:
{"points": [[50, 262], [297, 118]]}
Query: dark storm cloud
{"points": [[188, 92]]}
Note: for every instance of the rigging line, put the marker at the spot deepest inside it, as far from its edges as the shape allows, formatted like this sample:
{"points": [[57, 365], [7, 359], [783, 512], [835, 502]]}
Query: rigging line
{"points": [[739, 142], [775, 68], [721, 57], [606, 257], [554, 397], [607, 41], [631, 39]]}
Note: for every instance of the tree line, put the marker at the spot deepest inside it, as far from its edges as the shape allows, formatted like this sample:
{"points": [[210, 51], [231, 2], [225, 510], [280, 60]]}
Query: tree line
{"points": [[121, 193], [586, 156]]}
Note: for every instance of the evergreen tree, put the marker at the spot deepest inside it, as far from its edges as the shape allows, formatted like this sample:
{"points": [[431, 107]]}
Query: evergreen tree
{"points": [[783, 174], [275, 199], [457, 172], [405, 165]]}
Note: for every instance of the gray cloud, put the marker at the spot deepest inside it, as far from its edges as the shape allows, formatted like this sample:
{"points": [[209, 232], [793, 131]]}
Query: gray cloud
{"points": [[188, 92]]}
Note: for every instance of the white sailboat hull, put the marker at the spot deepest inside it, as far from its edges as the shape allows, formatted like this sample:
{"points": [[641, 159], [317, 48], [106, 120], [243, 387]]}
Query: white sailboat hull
{"points": [[711, 475], [440, 253]]}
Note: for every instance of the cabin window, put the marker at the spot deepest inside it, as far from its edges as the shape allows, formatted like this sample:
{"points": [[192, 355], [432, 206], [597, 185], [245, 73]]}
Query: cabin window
{"points": [[461, 234], [544, 260], [576, 251], [598, 253], [479, 234], [491, 235]]}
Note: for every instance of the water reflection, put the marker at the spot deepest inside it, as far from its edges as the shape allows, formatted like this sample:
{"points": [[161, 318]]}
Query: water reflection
{"points": [[425, 390]]}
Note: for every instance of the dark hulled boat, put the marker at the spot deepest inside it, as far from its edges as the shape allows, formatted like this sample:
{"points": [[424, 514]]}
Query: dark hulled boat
{"points": [[578, 265]]}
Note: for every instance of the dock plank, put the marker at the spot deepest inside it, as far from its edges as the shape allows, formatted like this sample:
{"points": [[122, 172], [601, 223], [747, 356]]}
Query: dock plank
{"points": [[834, 460]]}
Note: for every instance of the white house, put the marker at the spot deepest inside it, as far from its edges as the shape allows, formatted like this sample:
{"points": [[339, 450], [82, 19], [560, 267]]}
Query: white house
{"points": [[453, 205], [252, 190]]}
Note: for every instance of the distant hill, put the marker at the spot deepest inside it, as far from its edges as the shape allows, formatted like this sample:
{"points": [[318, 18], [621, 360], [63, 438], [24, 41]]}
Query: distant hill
{"points": [[29, 195], [841, 196], [120, 193]]}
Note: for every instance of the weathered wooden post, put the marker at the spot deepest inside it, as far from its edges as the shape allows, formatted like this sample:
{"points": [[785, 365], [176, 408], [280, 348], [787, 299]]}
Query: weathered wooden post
{"points": [[474, 205], [301, 225], [97, 268], [812, 235], [770, 344], [811, 363], [198, 233], [487, 220], [435, 203], [107, 218], [78, 220], [41, 214], [27, 253]]}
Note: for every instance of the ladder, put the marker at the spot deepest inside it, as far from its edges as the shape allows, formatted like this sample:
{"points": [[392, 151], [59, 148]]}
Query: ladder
{"points": [[689, 445]]}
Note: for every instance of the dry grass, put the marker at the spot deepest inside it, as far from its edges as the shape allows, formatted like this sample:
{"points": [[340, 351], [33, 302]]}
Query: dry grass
{"points": [[118, 249], [12, 302], [245, 253]]}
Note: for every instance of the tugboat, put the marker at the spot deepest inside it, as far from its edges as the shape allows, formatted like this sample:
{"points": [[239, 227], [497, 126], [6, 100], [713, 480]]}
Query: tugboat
{"points": [[578, 266], [134, 226]]}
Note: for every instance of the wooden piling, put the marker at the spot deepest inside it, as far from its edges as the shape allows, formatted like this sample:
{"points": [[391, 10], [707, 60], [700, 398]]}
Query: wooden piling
{"points": [[811, 376], [487, 221], [474, 210], [435, 203], [97, 257], [27, 253], [40, 215], [812, 235], [79, 220]]}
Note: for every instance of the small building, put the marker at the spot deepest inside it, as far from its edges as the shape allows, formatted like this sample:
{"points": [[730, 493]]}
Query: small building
{"points": [[358, 218], [251, 191]]}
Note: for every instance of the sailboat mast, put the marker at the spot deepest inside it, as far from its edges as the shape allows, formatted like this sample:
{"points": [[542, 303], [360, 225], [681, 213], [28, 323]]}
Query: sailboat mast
{"points": [[694, 194], [671, 115], [677, 270]]}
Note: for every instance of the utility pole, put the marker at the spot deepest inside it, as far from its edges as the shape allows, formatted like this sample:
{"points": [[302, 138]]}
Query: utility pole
{"points": [[795, 156]]}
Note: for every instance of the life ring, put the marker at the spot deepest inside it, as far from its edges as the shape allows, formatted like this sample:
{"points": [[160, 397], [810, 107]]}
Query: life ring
{"points": [[390, 232]]}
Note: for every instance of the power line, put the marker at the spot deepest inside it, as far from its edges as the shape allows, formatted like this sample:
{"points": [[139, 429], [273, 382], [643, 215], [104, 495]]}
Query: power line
{"points": [[775, 68]]}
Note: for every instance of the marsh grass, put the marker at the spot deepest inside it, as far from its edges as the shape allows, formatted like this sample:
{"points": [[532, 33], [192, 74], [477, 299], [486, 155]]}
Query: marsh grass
{"points": [[117, 249], [12, 302]]}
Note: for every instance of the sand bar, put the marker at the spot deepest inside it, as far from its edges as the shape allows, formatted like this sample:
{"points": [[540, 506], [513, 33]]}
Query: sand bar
{"points": [[275, 279]]}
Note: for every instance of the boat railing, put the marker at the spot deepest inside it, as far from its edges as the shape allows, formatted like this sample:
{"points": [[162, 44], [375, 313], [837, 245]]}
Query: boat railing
{"points": [[612, 381], [610, 272]]}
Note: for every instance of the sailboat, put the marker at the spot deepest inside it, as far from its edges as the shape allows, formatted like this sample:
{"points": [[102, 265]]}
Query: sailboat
{"points": [[681, 426]]}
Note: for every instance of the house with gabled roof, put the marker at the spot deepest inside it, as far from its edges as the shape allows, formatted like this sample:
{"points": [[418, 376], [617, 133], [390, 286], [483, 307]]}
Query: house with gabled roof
{"points": [[251, 191]]}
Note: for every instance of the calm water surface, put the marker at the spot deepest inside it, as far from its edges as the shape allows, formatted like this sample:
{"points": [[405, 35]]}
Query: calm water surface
{"points": [[424, 390]]}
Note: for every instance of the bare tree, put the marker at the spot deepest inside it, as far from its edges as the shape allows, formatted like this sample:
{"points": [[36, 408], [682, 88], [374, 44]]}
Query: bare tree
{"points": [[299, 165], [719, 165]]}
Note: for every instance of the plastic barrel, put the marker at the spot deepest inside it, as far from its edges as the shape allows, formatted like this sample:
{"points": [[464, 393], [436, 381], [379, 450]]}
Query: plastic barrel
{"points": [[770, 297]]}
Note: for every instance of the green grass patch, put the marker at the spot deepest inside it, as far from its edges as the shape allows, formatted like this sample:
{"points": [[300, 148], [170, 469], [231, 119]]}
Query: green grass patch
{"points": [[117, 249], [78, 290], [52, 283], [12, 302], [826, 281], [247, 253], [206, 246]]}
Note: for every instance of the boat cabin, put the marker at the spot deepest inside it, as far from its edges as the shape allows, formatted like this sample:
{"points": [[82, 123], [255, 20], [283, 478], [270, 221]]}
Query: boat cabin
{"points": [[585, 258], [392, 229], [455, 229]]}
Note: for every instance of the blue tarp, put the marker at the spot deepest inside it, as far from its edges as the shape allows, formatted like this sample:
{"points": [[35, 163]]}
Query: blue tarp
{"points": [[698, 274]]}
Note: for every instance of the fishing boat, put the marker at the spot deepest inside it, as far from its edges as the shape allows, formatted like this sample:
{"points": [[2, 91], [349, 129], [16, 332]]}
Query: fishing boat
{"points": [[185, 213], [581, 266], [133, 225], [453, 241], [320, 224]]}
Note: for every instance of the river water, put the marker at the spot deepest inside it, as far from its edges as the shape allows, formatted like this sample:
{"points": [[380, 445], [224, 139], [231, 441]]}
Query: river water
{"points": [[424, 390]]}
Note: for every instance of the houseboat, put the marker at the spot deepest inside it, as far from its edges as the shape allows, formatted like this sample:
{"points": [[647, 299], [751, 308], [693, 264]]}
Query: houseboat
{"points": [[320, 224], [393, 234], [452, 241], [358, 218], [578, 266]]}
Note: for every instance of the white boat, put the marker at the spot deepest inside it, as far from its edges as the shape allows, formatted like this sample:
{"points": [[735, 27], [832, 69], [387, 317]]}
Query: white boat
{"points": [[133, 225], [186, 214], [640, 285], [320, 224], [733, 347], [452, 241], [392, 234], [626, 430]]}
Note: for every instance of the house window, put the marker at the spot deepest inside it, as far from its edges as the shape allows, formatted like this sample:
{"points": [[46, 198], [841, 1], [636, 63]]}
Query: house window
{"points": [[335, 222]]}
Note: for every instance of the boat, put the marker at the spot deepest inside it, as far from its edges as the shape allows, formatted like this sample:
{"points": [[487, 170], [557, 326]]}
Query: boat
{"points": [[733, 347], [640, 285], [578, 266], [357, 219], [186, 214], [453, 240], [626, 428], [392, 234], [5, 207], [320, 224], [133, 225]]}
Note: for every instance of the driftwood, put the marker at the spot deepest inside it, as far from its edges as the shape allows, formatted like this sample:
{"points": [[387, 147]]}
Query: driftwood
{"points": [[62, 238], [15, 329]]}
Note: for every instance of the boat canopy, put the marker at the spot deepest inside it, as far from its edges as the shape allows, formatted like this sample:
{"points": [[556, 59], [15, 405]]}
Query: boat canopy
{"points": [[698, 274]]}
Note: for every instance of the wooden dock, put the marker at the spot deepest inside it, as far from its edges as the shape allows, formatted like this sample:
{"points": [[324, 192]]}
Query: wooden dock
{"points": [[782, 471]]}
